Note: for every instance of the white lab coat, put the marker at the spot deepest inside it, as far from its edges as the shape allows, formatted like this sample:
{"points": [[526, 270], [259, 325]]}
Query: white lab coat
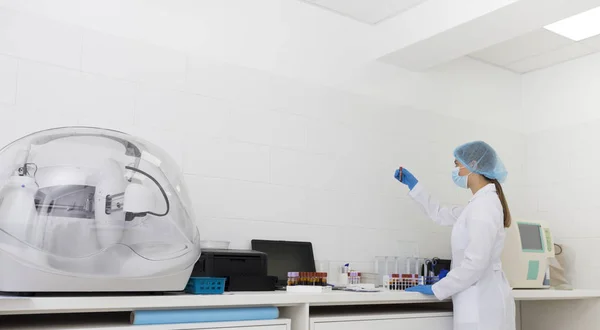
{"points": [[481, 295]]}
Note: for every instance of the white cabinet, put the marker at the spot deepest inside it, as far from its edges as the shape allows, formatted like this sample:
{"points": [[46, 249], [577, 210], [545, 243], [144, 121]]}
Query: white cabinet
{"points": [[387, 321], [241, 327], [104, 322]]}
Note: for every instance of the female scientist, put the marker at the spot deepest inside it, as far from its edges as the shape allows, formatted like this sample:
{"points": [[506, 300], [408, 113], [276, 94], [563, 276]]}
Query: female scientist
{"points": [[480, 293]]}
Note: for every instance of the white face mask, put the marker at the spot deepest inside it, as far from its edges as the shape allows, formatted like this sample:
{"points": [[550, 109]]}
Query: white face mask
{"points": [[461, 181]]}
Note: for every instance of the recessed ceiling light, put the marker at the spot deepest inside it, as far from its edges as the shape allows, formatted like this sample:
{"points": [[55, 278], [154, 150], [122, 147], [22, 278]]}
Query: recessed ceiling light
{"points": [[578, 27]]}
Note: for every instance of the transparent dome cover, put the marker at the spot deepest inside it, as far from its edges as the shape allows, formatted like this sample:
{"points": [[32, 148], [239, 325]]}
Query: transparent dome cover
{"points": [[95, 202]]}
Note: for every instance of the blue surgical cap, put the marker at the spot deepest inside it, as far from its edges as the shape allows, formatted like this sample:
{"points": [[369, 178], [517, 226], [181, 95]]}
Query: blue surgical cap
{"points": [[479, 157]]}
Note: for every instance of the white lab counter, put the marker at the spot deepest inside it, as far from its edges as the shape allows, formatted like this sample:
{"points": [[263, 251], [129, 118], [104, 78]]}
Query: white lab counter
{"points": [[315, 311]]}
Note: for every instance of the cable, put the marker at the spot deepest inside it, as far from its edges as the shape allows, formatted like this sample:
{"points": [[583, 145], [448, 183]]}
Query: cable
{"points": [[24, 170], [559, 248], [36, 168], [159, 187]]}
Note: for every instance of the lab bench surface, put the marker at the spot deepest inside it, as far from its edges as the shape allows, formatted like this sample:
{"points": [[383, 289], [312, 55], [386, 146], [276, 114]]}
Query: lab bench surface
{"points": [[108, 303], [298, 311]]}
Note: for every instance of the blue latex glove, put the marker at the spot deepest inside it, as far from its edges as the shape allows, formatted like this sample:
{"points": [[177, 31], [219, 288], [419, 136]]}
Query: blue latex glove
{"points": [[443, 273], [404, 176], [424, 289]]}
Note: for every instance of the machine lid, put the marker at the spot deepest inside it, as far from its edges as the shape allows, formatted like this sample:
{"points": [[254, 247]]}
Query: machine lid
{"points": [[160, 250]]}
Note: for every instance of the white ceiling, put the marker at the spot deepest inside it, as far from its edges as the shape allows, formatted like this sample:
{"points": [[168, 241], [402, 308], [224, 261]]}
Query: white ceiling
{"points": [[367, 11], [315, 39], [503, 21], [536, 50]]}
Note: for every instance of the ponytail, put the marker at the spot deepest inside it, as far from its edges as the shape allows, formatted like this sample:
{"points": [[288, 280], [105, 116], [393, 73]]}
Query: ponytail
{"points": [[506, 211]]}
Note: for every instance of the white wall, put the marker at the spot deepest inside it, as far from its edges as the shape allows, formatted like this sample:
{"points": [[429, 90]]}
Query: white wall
{"points": [[563, 159], [464, 89], [265, 156]]}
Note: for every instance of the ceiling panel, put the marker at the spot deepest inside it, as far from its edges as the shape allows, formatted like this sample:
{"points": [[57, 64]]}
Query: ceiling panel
{"points": [[536, 50], [367, 11], [593, 42], [528, 45], [554, 57]]}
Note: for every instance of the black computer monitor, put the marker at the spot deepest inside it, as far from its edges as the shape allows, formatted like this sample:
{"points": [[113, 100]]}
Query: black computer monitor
{"points": [[286, 256]]}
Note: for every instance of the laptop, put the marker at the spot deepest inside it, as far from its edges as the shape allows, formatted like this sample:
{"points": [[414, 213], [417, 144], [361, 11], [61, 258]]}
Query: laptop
{"points": [[286, 256]]}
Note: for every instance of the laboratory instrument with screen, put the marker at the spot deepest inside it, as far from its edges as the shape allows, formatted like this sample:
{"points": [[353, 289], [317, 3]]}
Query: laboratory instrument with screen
{"points": [[89, 209], [527, 251]]}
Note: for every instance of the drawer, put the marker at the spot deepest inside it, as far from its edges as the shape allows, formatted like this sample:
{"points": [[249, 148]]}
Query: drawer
{"points": [[240, 327], [257, 327], [390, 320], [438, 323]]}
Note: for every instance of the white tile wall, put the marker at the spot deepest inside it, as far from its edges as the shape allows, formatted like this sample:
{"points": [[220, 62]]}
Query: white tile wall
{"points": [[39, 39], [464, 89], [82, 98], [43, 87], [562, 95], [227, 198], [8, 79], [268, 127], [330, 137], [297, 168], [131, 60], [12, 123], [180, 111], [105, 102], [253, 87], [264, 156], [562, 160], [169, 140], [222, 158]]}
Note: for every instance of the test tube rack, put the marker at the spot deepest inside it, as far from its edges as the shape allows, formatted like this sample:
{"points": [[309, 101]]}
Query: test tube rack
{"points": [[401, 282], [308, 282]]}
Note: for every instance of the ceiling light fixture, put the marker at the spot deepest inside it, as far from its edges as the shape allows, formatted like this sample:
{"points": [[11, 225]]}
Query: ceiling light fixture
{"points": [[578, 27]]}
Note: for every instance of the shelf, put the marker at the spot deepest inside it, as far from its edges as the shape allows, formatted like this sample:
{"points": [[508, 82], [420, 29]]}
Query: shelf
{"points": [[115, 321], [549, 294]]}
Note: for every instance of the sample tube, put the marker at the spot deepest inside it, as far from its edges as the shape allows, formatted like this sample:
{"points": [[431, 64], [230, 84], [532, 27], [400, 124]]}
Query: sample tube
{"points": [[417, 265]]}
